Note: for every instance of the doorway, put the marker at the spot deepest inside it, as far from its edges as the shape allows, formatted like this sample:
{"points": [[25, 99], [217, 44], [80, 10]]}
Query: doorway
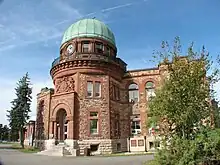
{"points": [[62, 126]]}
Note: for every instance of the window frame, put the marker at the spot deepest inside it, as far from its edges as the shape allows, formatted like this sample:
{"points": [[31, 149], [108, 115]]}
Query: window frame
{"points": [[148, 90], [82, 46], [136, 129], [108, 51], [100, 89], [92, 89], [98, 124], [98, 50], [131, 91], [93, 83]]}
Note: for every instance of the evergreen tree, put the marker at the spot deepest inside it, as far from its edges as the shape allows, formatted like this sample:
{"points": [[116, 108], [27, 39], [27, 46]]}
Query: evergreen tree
{"points": [[19, 113], [1, 132], [5, 133]]}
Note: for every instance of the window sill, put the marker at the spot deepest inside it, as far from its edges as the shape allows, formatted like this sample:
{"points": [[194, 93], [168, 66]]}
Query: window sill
{"points": [[94, 135], [93, 97]]}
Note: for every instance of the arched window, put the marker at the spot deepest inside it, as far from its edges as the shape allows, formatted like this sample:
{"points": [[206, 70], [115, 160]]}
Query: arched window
{"points": [[150, 90], [85, 46], [133, 93]]}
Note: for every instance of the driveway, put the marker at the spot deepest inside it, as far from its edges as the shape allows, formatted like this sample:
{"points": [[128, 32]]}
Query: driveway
{"points": [[14, 157]]}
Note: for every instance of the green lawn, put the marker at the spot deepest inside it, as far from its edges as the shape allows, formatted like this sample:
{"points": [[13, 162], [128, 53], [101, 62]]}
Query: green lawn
{"points": [[7, 142], [128, 154], [27, 149], [150, 162]]}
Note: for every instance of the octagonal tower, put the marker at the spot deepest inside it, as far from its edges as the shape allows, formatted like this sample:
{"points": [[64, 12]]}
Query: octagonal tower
{"points": [[89, 104]]}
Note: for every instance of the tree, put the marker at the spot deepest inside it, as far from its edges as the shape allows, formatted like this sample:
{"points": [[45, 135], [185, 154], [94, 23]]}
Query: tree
{"points": [[4, 132], [1, 131], [182, 104], [183, 108], [40, 126], [216, 112], [19, 113], [14, 131]]}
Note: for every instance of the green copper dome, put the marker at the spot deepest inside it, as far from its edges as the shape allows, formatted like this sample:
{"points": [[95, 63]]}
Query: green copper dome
{"points": [[88, 28]]}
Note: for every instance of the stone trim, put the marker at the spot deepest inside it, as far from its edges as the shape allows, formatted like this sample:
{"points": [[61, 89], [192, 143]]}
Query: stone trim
{"points": [[61, 106]]}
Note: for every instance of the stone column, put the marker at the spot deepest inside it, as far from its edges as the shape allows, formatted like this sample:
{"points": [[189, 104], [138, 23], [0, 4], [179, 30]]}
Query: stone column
{"points": [[70, 130], [55, 129], [51, 131]]}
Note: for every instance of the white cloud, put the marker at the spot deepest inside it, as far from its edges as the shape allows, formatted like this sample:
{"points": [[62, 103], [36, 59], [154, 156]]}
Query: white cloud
{"points": [[8, 94], [24, 29]]}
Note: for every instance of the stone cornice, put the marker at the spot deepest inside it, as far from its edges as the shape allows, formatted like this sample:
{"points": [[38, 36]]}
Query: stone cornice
{"points": [[83, 66], [142, 73], [63, 93]]}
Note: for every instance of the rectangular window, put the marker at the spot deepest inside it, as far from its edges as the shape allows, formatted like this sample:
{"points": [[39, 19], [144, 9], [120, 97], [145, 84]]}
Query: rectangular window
{"points": [[89, 88], [135, 127], [97, 89], [85, 46], [93, 126], [94, 123], [133, 96], [98, 47], [150, 93], [108, 52]]}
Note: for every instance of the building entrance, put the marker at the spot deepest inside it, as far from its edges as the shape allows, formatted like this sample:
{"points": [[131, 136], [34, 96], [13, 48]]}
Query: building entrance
{"points": [[62, 126]]}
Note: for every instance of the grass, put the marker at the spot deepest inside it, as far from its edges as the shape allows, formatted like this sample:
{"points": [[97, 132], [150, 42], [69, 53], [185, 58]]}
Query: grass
{"points": [[128, 154], [26, 149], [150, 162], [7, 142]]}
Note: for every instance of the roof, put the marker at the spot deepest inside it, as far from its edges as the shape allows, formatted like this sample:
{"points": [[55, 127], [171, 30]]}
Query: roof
{"points": [[88, 28]]}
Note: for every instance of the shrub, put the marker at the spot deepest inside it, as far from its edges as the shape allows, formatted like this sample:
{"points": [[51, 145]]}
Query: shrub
{"points": [[203, 150]]}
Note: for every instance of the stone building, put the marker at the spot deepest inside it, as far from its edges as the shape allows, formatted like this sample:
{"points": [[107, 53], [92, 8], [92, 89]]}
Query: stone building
{"points": [[96, 102]]}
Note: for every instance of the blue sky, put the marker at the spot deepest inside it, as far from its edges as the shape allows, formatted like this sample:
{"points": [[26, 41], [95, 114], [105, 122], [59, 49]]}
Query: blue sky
{"points": [[31, 33]]}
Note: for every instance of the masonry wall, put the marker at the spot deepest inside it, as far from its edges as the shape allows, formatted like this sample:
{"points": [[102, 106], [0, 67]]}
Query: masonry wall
{"points": [[119, 109], [43, 111], [141, 77], [87, 105]]}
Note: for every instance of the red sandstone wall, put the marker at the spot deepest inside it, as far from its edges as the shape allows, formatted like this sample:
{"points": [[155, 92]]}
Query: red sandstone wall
{"points": [[119, 107], [44, 97], [141, 77], [100, 105]]}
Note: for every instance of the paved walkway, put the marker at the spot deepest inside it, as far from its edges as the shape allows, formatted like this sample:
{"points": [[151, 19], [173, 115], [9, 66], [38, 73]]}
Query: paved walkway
{"points": [[2, 145], [14, 157]]}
